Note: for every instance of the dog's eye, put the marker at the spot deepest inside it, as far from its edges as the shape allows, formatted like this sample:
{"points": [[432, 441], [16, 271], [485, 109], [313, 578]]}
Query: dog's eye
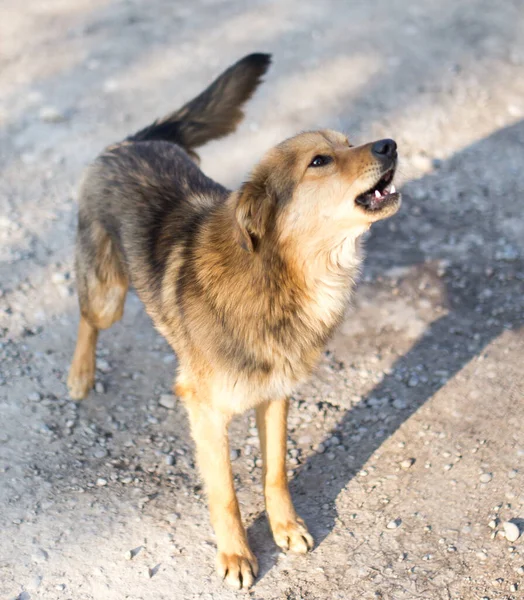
{"points": [[321, 160]]}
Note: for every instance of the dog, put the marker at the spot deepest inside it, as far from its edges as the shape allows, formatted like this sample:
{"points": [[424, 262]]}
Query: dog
{"points": [[247, 285]]}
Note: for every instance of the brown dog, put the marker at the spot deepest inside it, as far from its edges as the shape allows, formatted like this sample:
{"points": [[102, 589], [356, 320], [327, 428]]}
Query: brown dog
{"points": [[246, 286]]}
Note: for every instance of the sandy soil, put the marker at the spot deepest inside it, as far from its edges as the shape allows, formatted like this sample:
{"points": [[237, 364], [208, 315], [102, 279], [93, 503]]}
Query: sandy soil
{"points": [[407, 446]]}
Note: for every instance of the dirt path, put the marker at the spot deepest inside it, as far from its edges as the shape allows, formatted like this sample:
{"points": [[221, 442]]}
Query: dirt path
{"points": [[408, 444]]}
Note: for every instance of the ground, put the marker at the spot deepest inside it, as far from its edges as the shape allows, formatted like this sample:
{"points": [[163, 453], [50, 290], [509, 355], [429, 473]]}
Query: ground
{"points": [[407, 445]]}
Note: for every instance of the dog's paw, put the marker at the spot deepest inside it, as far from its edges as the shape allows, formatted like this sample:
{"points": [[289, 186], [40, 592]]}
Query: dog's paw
{"points": [[293, 536], [237, 570], [80, 383]]}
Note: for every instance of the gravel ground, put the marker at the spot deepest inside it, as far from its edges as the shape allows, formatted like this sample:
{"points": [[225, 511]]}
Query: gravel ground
{"points": [[407, 446]]}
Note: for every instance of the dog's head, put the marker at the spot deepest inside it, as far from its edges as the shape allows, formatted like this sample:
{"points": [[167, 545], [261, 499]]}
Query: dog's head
{"points": [[314, 191]]}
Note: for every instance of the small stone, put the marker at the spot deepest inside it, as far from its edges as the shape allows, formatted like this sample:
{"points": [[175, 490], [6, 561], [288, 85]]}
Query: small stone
{"points": [[482, 555], [234, 454], [363, 473], [321, 448], [512, 474], [40, 555], [394, 524], [173, 518], [34, 396], [49, 114], [427, 557], [128, 555], [60, 587], [452, 548], [448, 467], [170, 460], [99, 388], [101, 482], [399, 404], [492, 524], [486, 477], [413, 381], [100, 453], [512, 531], [167, 401], [520, 570], [58, 277], [102, 365], [513, 587], [407, 463]]}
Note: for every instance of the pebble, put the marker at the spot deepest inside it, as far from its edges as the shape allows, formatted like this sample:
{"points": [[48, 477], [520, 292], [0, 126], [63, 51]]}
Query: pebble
{"points": [[486, 477], [520, 570], [99, 388], [234, 454], [170, 460], [101, 482], [102, 365], [511, 530], [40, 555], [394, 524], [100, 453], [407, 463], [413, 381], [34, 396], [173, 518], [167, 401], [321, 448], [128, 555], [50, 114], [399, 404], [482, 555]]}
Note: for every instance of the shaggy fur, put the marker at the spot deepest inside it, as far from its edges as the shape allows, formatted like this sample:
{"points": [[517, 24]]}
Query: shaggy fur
{"points": [[246, 286]]}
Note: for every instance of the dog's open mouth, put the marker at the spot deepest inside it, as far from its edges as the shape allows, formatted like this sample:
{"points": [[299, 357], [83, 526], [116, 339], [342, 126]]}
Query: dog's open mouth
{"points": [[381, 193]]}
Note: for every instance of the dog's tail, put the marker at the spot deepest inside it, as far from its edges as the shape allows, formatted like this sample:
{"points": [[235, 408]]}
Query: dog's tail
{"points": [[215, 112]]}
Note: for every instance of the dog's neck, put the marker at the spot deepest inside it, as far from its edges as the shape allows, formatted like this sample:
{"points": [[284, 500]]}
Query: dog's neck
{"points": [[314, 286]]}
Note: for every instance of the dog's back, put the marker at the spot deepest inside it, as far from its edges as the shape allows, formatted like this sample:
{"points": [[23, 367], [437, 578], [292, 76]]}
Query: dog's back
{"points": [[141, 200], [142, 195]]}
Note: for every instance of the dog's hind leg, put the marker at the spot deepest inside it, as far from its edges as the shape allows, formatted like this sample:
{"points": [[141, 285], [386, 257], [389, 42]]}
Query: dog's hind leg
{"points": [[102, 288]]}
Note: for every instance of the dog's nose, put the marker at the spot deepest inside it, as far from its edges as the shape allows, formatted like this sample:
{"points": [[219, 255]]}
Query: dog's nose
{"points": [[384, 149]]}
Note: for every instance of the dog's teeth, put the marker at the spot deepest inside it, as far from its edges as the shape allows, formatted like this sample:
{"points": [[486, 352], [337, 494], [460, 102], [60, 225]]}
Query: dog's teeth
{"points": [[378, 194], [393, 189]]}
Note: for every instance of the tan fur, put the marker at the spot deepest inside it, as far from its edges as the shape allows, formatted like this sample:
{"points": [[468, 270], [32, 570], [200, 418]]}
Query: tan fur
{"points": [[246, 286]]}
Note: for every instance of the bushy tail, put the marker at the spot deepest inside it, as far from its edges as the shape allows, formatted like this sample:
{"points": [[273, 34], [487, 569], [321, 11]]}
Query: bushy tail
{"points": [[215, 112]]}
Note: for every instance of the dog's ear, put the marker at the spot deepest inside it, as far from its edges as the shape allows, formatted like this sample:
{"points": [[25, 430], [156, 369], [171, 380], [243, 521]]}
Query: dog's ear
{"points": [[256, 204]]}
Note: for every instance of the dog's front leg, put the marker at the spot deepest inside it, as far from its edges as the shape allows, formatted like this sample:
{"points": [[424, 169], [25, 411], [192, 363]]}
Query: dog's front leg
{"points": [[289, 530], [235, 561]]}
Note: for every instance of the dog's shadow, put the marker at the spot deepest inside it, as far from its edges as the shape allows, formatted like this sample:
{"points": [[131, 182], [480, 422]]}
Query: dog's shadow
{"points": [[450, 342]]}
